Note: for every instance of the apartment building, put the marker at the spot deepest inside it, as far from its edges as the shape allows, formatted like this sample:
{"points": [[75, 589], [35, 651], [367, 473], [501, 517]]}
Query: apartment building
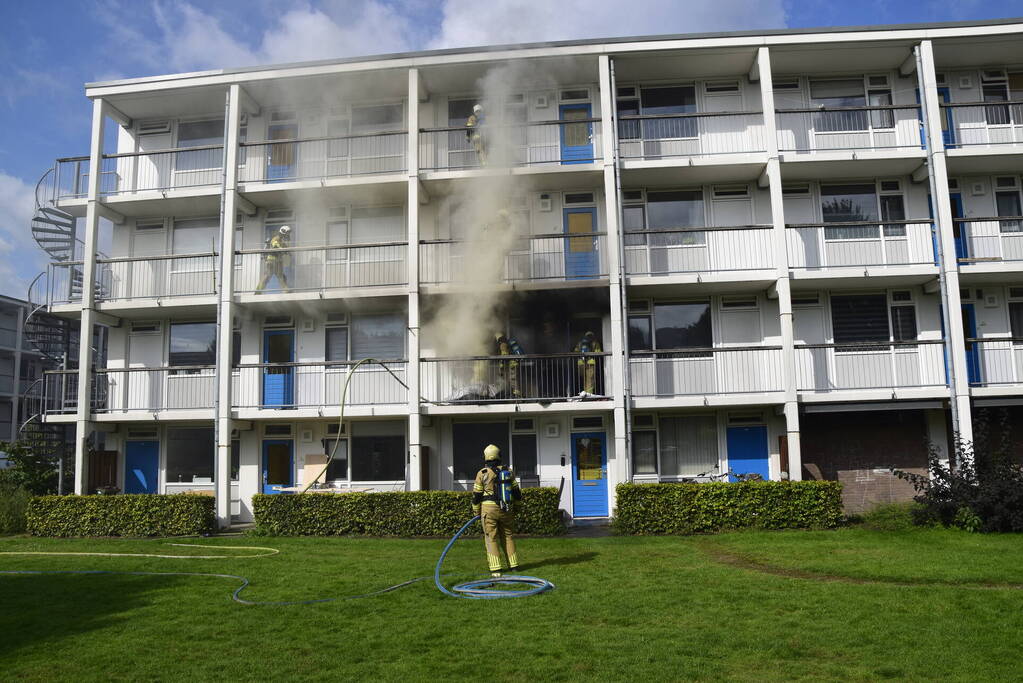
{"points": [[798, 254]]}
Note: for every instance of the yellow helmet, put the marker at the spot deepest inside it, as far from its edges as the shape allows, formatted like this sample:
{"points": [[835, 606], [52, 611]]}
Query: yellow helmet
{"points": [[491, 452]]}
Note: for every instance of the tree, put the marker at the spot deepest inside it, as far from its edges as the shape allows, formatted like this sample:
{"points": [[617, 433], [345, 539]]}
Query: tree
{"points": [[35, 473]]}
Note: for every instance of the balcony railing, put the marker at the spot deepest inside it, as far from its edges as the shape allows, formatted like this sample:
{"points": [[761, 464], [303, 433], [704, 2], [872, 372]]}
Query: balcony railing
{"points": [[153, 389], [64, 282], [824, 368], [972, 124], [694, 250], [859, 243], [994, 362], [324, 157], [663, 136], [179, 275], [496, 379], [980, 240], [538, 257], [889, 126], [318, 268], [312, 385], [59, 392], [167, 169], [533, 144], [706, 371]]}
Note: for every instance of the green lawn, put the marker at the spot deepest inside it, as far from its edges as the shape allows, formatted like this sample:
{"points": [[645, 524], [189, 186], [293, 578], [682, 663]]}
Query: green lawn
{"points": [[708, 608]]}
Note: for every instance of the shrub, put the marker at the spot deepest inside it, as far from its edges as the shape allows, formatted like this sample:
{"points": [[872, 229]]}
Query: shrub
{"points": [[13, 504], [37, 474], [890, 517], [128, 515], [696, 508], [398, 513]]}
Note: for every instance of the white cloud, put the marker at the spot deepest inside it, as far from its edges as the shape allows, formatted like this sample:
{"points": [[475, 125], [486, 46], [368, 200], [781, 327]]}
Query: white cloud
{"points": [[470, 23], [21, 259]]}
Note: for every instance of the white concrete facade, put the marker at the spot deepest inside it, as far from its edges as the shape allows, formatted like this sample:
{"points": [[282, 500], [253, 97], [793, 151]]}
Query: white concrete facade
{"points": [[739, 268]]}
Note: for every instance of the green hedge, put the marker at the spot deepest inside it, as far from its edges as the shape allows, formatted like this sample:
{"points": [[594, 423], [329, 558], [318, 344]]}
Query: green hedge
{"points": [[696, 508], [398, 513], [13, 504], [127, 515]]}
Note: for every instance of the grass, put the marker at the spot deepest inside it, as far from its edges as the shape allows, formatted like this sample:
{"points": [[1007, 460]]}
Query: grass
{"points": [[626, 608]]}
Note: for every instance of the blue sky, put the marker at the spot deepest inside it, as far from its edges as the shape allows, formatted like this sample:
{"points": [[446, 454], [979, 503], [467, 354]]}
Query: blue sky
{"points": [[48, 50]]}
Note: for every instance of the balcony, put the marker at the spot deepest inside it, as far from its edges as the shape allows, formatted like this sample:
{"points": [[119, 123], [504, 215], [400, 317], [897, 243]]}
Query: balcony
{"points": [[134, 172], [277, 386], [540, 258], [854, 244], [828, 368], [706, 372], [699, 250], [326, 157], [705, 134], [311, 269], [128, 390], [535, 144], [971, 125], [989, 240], [995, 363], [881, 127], [515, 379]]}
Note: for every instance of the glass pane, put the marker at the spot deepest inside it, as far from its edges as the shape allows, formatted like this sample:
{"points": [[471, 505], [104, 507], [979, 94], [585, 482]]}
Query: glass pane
{"points": [[193, 344], [337, 343], [278, 464], [468, 441], [892, 209], [629, 129], [196, 236], [378, 458], [279, 348], [378, 336], [904, 323], [689, 445], [886, 117], [838, 93], [639, 333], [200, 133], [337, 470], [524, 454], [644, 453], [1008, 204], [580, 223], [681, 326], [682, 209], [589, 458], [670, 100], [846, 204], [377, 118], [190, 454], [378, 224], [576, 134], [859, 318], [1016, 319]]}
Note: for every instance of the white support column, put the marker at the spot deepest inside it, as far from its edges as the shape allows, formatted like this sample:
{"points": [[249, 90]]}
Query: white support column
{"points": [[783, 284], [619, 467], [92, 214], [959, 385], [225, 323], [415, 449]]}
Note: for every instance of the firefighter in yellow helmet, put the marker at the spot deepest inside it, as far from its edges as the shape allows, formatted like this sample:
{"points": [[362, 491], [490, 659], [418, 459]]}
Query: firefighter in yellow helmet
{"points": [[493, 494], [276, 263], [588, 364], [474, 133]]}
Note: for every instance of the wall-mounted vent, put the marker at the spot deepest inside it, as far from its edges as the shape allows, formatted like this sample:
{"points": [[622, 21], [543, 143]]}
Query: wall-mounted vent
{"points": [[524, 425], [278, 321], [337, 317], [153, 127], [142, 225], [575, 95], [277, 430], [145, 327], [579, 198], [721, 87], [595, 422]]}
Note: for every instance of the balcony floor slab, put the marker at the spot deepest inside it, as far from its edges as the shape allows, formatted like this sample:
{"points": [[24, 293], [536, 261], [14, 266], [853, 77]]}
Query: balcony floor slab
{"points": [[985, 159], [517, 408], [316, 412], [860, 276], [854, 395], [541, 177], [390, 187], [707, 401], [835, 164]]}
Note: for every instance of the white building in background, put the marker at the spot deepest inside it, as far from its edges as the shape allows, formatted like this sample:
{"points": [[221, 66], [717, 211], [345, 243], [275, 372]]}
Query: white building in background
{"points": [[763, 231]]}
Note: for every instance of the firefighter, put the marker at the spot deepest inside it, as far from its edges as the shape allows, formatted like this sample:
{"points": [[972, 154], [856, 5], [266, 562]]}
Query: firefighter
{"points": [[276, 263], [587, 365], [509, 346], [493, 494], [474, 133]]}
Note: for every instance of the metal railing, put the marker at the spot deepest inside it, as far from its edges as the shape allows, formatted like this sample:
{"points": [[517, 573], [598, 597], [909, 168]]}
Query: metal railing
{"points": [[531, 144], [693, 250], [824, 368], [994, 362], [157, 276], [317, 268], [998, 238], [64, 282], [491, 379], [316, 384], [968, 124], [322, 157], [129, 172], [660, 136], [706, 371], [849, 128], [582, 256], [859, 243], [59, 392], [123, 390]]}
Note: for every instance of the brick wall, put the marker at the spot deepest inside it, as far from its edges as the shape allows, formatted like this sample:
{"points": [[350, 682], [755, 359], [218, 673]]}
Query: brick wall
{"points": [[858, 448]]}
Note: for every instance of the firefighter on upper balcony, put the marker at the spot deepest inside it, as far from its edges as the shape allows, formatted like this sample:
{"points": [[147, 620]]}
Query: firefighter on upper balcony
{"points": [[474, 133], [276, 263]]}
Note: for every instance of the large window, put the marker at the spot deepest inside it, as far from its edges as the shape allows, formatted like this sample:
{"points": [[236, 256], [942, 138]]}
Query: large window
{"points": [[469, 440], [337, 469], [336, 343], [644, 452], [663, 101], [688, 445], [200, 134], [378, 336], [849, 204], [378, 458], [682, 325], [524, 454], [192, 344], [378, 224], [195, 236], [1007, 203], [378, 117], [666, 210], [190, 455], [859, 318]]}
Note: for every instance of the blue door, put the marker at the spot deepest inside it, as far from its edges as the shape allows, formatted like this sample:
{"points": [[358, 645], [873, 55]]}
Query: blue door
{"points": [[972, 352], [947, 129], [589, 474], [576, 138], [278, 380], [281, 159], [582, 262], [747, 452], [958, 227], [278, 465], [141, 462]]}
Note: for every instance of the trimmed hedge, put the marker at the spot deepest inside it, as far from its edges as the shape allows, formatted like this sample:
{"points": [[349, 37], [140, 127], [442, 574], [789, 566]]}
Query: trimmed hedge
{"points": [[716, 506], [125, 515], [395, 513]]}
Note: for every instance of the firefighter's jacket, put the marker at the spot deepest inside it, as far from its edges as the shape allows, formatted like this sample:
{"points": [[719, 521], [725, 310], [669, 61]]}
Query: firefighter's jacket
{"points": [[484, 490]]}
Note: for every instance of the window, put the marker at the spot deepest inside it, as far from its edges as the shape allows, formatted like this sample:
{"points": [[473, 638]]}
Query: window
{"points": [[192, 344], [639, 332], [682, 325], [190, 455], [904, 323], [378, 117], [378, 458], [880, 95], [893, 209], [688, 445], [236, 348], [337, 469], [858, 318], [634, 220], [378, 336], [200, 134], [668, 100], [1008, 204], [628, 105], [675, 209], [524, 454], [195, 236], [1016, 320], [378, 224], [838, 93], [849, 204], [995, 88], [469, 440], [644, 452], [236, 458], [336, 343]]}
